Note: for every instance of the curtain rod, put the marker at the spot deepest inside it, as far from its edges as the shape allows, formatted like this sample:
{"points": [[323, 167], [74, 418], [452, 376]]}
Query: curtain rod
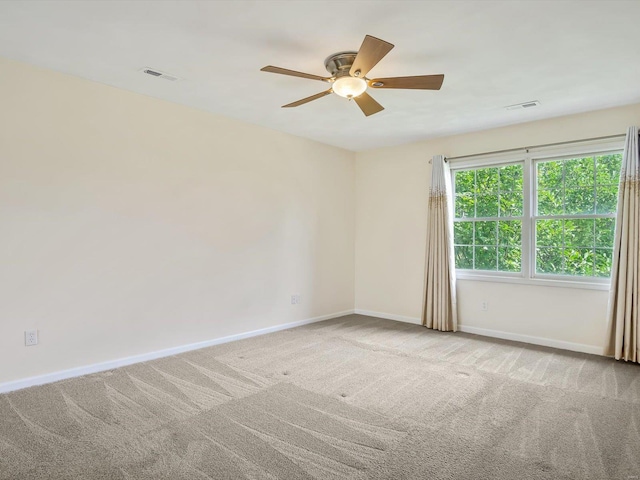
{"points": [[607, 137]]}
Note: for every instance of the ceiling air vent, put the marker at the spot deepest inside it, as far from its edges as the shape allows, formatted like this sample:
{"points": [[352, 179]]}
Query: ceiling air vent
{"points": [[522, 106], [159, 74]]}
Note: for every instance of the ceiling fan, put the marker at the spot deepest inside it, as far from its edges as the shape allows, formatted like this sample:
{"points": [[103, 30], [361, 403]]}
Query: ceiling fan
{"points": [[349, 76]]}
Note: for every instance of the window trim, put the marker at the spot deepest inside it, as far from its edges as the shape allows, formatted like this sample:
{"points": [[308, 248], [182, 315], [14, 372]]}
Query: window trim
{"points": [[529, 158]]}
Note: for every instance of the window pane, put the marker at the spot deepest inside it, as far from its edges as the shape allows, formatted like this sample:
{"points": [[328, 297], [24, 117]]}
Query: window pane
{"points": [[579, 233], [579, 201], [487, 205], [510, 233], [486, 258], [604, 259], [487, 180], [549, 233], [465, 206], [511, 178], [608, 169], [486, 233], [549, 260], [550, 202], [606, 199], [509, 259], [463, 233], [511, 204], [578, 261], [549, 175], [579, 172], [465, 181], [605, 232], [464, 256]]}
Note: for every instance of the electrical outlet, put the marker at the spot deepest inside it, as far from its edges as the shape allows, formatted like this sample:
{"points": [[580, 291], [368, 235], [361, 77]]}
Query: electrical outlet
{"points": [[484, 306], [31, 337], [295, 299]]}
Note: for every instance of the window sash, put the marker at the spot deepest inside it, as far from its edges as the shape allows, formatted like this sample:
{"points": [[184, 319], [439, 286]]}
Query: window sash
{"points": [[520, 218], [497, 245]]}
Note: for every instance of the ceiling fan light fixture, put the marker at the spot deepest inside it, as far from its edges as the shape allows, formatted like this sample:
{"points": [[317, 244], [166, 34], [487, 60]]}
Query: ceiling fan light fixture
{"points": [[349, 87]]}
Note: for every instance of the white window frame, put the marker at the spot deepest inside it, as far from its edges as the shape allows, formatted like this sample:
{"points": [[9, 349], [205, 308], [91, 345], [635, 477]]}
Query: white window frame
{"points": [[529, 158]]}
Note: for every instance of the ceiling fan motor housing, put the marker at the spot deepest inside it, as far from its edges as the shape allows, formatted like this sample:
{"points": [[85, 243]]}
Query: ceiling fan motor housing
{"points": [[339, 64]]}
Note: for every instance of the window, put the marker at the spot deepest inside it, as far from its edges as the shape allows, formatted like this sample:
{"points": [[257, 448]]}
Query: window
{"points": [[488, 218], [575, 222], [545, 217]]}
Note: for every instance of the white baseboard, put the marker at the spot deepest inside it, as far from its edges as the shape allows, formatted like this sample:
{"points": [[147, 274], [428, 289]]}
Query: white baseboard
{"points": [[485, 332], [121, 362], [544, 342], [389, 316]]}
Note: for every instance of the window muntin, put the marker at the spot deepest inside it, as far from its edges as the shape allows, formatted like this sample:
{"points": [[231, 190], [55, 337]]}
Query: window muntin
{"points": [[488, 218], [580, 208], [575, 208]]}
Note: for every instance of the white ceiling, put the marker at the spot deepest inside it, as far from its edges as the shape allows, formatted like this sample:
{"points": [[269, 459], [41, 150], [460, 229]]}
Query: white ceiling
{"points": [[572, 56]]}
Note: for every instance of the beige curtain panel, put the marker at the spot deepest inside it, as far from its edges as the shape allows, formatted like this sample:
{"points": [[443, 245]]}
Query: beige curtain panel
{"points": [[440, 311], [624, 330]]}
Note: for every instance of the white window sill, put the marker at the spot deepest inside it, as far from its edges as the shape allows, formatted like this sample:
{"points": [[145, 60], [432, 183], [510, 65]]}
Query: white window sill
{"points": [[540, 282]]}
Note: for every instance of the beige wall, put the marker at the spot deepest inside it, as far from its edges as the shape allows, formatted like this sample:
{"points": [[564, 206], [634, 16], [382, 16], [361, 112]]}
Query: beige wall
{"points": [[130, 224], [391, 207]]}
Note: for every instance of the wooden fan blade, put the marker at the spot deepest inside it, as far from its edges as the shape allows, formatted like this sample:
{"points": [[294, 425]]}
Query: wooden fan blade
{"points": [[367, 104], [371, 52], [293, 73], [308, 99], [421, 82]]}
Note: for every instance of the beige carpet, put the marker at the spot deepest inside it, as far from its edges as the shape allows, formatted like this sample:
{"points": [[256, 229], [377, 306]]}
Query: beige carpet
{"points": [[350, 398]]}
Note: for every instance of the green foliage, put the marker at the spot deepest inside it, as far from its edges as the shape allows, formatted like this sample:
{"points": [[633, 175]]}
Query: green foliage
{"points": [[463, 233], [486, 233], [579, 172], [549, 260], [606, 199], [579, 201], [549, 233], [464, 257], [579, 186], [497, 245], [578, 261], [465, 205], [487, 180], [575, 246], [605, 232], [489, 192], [579, 233], [487, 205], [511, 178], [608, 169], [511, 204], [510, 233], [509, 259], [465, 181], [486, 257], [551, 202], [550, 175], [603, 262]]}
